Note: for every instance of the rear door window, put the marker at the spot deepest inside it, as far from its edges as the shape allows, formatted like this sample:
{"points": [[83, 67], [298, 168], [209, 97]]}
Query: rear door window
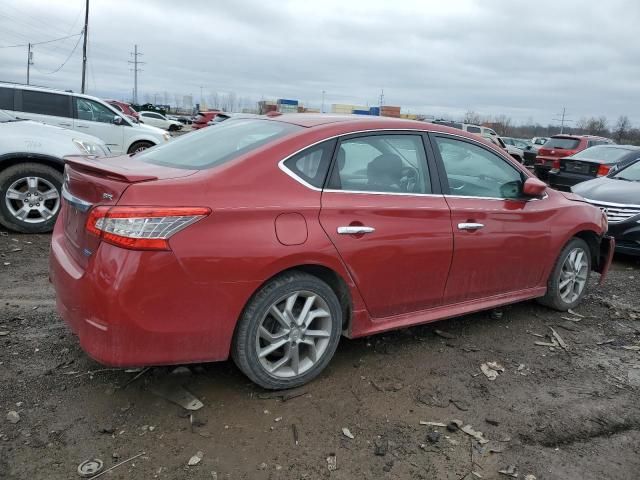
{"points": [[46, 103], [6, 98], [93, 111], [312, 164]]}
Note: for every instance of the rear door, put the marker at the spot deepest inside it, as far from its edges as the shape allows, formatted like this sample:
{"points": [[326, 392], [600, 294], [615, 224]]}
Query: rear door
{"points": [[389, 222], [500, 237], [46, 107], [96, 119]]}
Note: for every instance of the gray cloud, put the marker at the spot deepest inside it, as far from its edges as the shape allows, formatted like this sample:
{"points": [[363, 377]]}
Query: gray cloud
{"points": [[523, 59]]}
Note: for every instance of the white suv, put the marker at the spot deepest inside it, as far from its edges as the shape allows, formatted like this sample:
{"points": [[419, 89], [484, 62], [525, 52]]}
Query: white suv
{"points": [[31, 169], [158, 120], [82, 113]]}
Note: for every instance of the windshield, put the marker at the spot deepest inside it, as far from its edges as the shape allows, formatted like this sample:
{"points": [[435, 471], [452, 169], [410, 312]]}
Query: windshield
{"points": [[5, 117], [213, 146], [562, 143], [605, 154], [632, 172]]}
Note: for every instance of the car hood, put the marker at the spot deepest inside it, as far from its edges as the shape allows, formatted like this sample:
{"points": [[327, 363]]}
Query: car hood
{"points": [[43, 131], [610, 190]]}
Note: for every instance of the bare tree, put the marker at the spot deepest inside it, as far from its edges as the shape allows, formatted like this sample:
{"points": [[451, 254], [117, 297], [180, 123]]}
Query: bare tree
{"points": [[502, 125], [622, 128], [472, 117]]}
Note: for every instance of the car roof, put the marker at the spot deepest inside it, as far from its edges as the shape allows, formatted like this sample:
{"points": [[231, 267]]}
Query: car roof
{"points": [[576, 137], [316, 119], [49, 90], [622, 147]]}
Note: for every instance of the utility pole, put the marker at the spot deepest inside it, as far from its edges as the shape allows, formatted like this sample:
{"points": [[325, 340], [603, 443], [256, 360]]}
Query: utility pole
{"points": [[322, 108], [135, 63], [563, 119], [381, 97], [29, 61], [84, 47]]}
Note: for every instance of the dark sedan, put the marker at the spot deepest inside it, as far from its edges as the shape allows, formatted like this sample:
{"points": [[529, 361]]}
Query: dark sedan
{"points": [[590, 163], [618, 195]]}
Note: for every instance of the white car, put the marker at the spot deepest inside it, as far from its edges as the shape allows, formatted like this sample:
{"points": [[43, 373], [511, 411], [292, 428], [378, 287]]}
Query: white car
{"points": [[158, 120], [31, 169], [82, 113]]}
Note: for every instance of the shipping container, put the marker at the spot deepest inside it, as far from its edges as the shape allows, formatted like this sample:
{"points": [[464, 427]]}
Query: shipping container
{"points": [[374, 111], [285, 101], [361, 112]]}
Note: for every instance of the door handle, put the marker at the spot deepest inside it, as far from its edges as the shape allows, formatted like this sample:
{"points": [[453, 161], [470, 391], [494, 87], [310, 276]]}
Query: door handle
{"points": [[355, 230], [64, 124], [470, 226], [83, 126]]}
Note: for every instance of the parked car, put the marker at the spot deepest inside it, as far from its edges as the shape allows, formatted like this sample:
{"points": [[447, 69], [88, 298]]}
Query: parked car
{"points": [[538, 142], [448, 123], [158, 120], [479, 130], [125, 108], [590, 163], [185, 120], [559, 146], [81, 113], [283, 233], [515, 151], [31, 166], [516, 142], [203, 118], [618, 195], [530, 152]]}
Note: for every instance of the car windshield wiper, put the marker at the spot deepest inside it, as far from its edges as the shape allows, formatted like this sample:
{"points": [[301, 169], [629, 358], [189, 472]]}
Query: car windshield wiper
{"points": [[625, 179]]}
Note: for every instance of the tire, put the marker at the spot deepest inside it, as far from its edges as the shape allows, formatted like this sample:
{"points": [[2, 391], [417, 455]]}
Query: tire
{"points": [[139, 146], [31, 197], [557, 296], [259, 313]]}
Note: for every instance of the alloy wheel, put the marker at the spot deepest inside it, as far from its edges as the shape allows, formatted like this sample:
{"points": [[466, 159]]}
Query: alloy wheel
{"points": [[294, 334], [32, 199], [573, 276]]}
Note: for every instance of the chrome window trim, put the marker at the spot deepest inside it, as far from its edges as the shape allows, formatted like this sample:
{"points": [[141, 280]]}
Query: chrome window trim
{"points": [[76, 202], [611, 204], [366, 192], [544, 197]]}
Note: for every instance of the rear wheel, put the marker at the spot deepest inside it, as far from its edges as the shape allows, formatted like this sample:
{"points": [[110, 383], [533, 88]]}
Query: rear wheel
{"points": [[567, 284], [139, 146], [288, 332], [31, 197]]}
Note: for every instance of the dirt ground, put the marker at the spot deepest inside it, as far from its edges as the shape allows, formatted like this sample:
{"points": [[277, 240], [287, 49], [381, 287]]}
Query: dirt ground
{"points": [[552, 413]]}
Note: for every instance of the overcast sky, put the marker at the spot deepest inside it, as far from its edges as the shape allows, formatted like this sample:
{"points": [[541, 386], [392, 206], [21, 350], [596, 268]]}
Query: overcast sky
{"points": [[525, 59]]}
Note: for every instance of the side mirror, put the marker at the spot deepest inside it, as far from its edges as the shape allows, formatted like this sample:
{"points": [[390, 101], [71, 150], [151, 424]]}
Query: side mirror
{"points": [[533, 187], [118, 120]]}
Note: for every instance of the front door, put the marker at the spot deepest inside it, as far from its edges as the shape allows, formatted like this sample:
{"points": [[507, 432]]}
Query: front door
{"points": [[391, 227], [95, 119], [500, 236]]}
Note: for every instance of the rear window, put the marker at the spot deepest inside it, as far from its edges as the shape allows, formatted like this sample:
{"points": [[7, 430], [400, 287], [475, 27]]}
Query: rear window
{"points": [[606, 154], [6, 98], [214, 146], [562, 143]]}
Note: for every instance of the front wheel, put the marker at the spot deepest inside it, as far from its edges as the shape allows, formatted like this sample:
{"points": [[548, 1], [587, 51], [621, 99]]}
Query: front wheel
{"points": [[567, 284], [31, 197], [288, 332], [138, 147]]}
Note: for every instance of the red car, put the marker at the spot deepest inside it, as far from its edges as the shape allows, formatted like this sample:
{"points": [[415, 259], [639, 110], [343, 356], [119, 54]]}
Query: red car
{"points": [[203, 118], [268, 239], [125, 108], [560, 146]]}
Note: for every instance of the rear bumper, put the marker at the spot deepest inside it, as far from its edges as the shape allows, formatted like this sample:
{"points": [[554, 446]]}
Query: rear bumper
{"points": [[565, 180], [131, 308]]}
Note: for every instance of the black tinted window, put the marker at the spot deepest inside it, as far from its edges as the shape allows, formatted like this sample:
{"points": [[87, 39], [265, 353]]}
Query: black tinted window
{"points": [[312, 164], [6, 98], [473, 129], [562, 143], [45, 103]]}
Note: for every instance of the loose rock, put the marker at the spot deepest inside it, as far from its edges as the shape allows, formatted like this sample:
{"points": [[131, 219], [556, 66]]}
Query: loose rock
{"points": [[13, 417]]}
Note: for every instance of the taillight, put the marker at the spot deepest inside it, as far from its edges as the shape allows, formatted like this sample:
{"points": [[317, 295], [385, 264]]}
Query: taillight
{"points": [[603, 170], [142, 228]]}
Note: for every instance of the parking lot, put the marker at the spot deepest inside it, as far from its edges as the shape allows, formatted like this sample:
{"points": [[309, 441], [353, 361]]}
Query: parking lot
{"points": [[554, 413]]}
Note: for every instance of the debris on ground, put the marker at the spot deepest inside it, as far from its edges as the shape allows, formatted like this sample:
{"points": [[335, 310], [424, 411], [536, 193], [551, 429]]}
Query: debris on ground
{"points": [[433, 437], [510, 471], [476, 474], [454, 425], [139, 374], [13, 417], [432, 424], [606, 342], [181, 371], [431, 399], [447, 335], [575, 314], [347, 433], [529, 477], [178, 395], [559, 339], [90, 468], [491, 370], [283, 395], [4, 333], [196, 459], [576, 319], [490, 421], [332, 462], [380, 446], [460, 404], [469, 430], [294, 431], [633, 348]]}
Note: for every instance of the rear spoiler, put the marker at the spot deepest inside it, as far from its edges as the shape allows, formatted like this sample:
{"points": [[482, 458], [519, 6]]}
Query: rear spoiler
{"points": [[106, 168]]}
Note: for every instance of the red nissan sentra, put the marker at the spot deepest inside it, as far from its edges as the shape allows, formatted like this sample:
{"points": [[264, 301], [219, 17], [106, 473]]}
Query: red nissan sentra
{"points": [[268, 239]]}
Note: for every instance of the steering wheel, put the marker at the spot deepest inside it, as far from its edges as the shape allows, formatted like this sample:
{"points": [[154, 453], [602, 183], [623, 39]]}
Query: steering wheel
{"points": [[409, 180]]}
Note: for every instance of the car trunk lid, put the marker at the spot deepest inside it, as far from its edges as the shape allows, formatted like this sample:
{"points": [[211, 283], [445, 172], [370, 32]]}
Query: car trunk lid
{"points": [[90, 182]]}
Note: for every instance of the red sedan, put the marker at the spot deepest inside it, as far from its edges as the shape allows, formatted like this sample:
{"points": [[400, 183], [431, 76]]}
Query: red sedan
{"points": [[268, 239]]}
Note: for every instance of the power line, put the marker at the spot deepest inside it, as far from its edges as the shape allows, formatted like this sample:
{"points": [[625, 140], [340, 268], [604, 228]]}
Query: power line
{"points": [[562, 119], [135, 63], [63, 63], [42, 43]]}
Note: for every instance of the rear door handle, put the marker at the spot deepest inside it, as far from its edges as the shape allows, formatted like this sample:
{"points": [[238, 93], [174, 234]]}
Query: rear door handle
{"points": [[470, 226], [355, 230]]}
